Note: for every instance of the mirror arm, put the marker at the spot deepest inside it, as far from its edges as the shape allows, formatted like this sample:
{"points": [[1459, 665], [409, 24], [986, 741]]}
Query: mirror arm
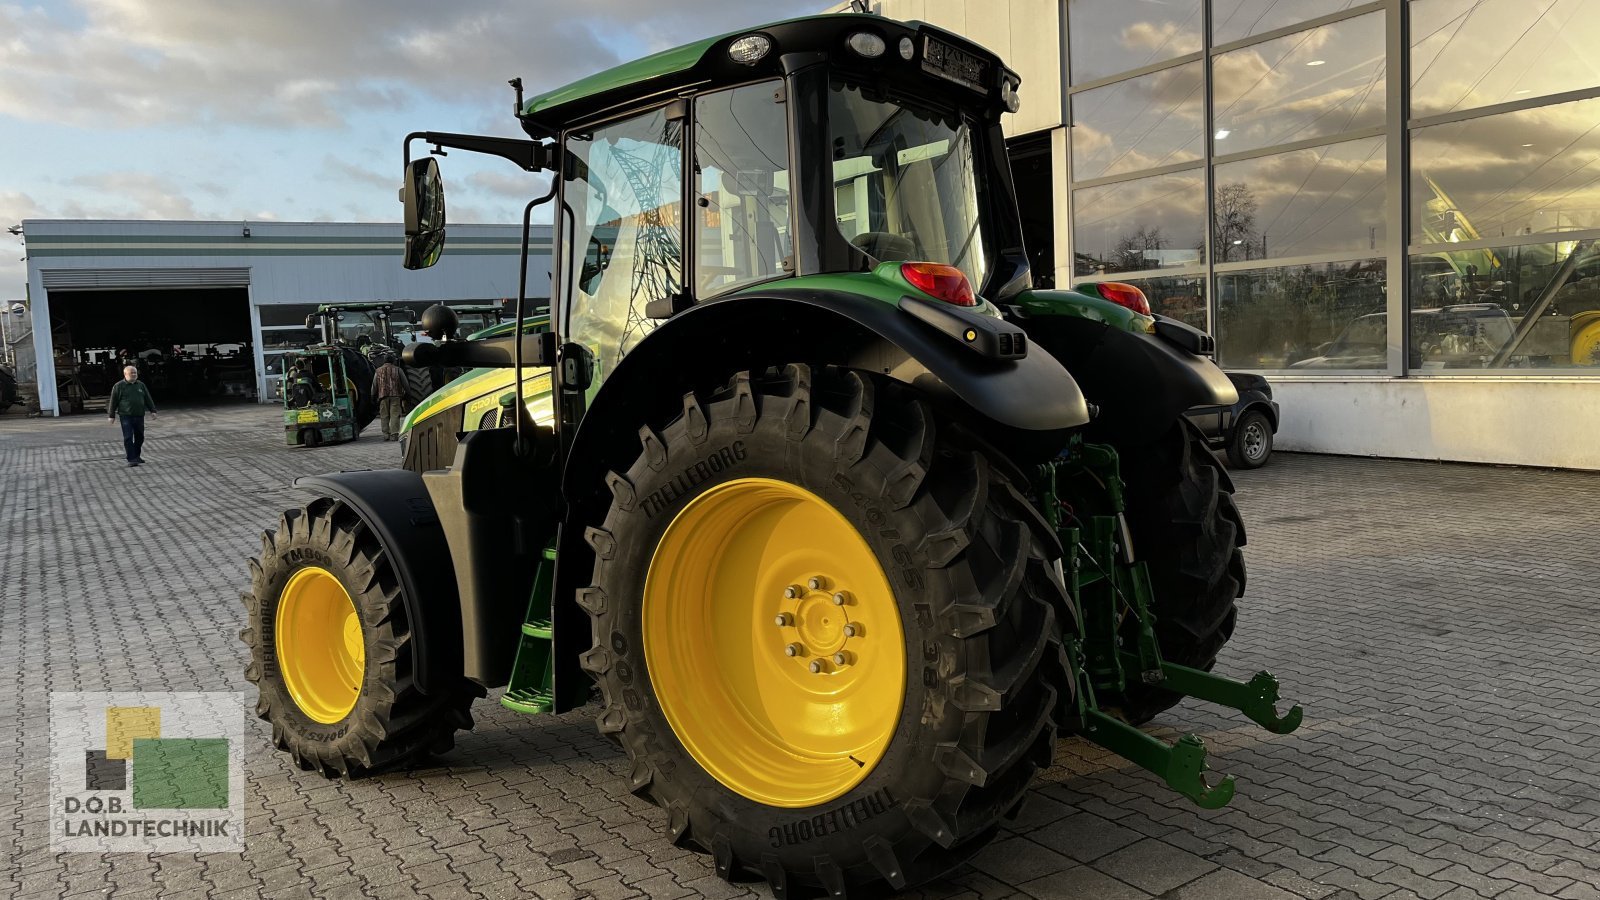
{"points": [[530, 156]]}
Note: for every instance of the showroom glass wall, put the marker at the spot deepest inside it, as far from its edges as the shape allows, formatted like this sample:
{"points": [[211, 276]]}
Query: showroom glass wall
{"points": [[1303, 176]]}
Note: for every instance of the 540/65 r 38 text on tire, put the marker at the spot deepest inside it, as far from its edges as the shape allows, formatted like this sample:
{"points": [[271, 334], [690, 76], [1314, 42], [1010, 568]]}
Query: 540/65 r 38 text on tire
{"points": [[827, 630]]}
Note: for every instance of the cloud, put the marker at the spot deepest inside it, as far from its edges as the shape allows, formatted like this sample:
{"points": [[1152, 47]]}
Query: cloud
{"points": [[308, 63]]}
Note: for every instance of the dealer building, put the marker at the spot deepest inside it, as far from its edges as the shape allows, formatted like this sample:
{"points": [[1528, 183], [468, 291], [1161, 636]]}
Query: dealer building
{"points": [[1390, 208], [233, 295]]}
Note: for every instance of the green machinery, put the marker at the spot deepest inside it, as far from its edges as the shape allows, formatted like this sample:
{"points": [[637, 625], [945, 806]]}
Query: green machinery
{"points": [[319, 398], [842, 522]]}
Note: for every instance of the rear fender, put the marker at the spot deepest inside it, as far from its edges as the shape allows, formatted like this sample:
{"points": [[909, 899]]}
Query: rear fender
{"points": [[1140, 381]]}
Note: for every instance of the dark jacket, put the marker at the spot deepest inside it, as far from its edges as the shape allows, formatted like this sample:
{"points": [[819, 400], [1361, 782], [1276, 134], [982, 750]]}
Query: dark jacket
{"points": [[130, 398], [388, 381]]}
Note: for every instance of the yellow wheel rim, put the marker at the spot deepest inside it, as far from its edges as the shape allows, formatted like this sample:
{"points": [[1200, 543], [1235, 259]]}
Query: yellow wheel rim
{"points": [[320, 649], [773, 642], [1586, 339]]}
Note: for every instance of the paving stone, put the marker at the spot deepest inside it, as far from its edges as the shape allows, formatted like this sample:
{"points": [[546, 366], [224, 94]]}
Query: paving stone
{"points": [[1084, 837], [1446, 670], [1081, 882], [1153, 866], [1225, 884]]}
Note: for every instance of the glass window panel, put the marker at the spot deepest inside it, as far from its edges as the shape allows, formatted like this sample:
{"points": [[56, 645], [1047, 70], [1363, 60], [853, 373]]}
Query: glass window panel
{"points": [[1322, 200], [1181, 297], [742, 188], [914, 176], [1147, 223], [1233, 20], [1110, 36], [1314, 83], [1327, 316], [627, 200], [287, 338], [1142, 123], [285, 313], [1527, 172], [1470, 53], [1467, 307]]}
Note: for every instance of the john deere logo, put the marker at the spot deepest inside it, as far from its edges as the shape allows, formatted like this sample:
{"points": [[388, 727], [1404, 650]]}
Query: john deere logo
{"points": [[146, 773]]}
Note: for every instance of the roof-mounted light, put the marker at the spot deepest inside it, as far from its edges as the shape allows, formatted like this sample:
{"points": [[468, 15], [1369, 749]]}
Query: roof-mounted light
{"points": [[867, 44], [750, 49], [1008, 94]]}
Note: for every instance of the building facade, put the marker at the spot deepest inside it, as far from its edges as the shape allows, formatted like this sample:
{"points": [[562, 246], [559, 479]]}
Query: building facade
{"points": [[1390, 208], [99, 286]]}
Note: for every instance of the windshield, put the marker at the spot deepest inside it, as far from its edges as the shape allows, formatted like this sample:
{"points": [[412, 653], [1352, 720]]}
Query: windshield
{"points": [[905, 182]]}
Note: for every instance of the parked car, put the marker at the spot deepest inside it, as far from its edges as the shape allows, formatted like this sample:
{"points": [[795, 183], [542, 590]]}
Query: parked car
{"points": [[1244, 429]]}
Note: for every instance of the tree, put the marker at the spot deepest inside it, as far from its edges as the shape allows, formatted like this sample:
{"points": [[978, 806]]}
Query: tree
{"points": [[1136, 251], [1233, 223]]}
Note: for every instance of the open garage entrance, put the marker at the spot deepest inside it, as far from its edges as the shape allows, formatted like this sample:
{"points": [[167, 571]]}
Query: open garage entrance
{"points": [[191, 344]]}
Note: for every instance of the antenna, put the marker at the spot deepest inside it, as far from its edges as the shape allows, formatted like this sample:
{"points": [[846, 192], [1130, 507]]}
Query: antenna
{"points": [[516, 85]]}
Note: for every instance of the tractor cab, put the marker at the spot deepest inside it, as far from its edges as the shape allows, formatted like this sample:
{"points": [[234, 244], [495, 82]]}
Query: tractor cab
{"points": [[830, 145]]}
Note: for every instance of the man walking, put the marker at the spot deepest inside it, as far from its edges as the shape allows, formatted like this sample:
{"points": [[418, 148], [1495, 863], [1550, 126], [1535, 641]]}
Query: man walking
{"points": [[131, 400], [389, 386]]}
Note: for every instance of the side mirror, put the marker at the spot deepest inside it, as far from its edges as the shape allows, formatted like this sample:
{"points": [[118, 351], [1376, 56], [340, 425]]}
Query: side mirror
{"points": [[423, 196]]}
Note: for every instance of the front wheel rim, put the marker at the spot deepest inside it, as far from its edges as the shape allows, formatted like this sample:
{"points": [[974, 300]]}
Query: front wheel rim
{"points": [[773, 642], [1254, 441], [320, 648]]}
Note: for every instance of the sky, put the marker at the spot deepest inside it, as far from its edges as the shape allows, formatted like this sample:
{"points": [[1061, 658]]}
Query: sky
{"points": [[292, 110]]}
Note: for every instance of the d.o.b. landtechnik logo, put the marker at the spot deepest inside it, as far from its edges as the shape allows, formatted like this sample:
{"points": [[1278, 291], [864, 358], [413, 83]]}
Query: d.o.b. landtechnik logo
{"points": [[146, 772]]}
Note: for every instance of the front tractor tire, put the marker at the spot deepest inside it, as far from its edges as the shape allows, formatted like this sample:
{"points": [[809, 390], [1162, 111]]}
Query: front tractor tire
{"points": [[827, 632], [330, 649]]}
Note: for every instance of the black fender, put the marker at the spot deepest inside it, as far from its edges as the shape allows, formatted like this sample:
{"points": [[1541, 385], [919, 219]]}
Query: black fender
{"points": [[498, 511], [1141, 382], [699, 348], [396, 506], [1032, 398]]}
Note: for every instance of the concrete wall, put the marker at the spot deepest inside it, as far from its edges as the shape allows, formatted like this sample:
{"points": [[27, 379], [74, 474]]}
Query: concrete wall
{"points": [[1546, 422]]}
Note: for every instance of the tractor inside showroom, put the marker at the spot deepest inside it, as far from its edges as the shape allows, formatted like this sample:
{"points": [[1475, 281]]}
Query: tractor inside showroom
{"points": [[847, 523]]}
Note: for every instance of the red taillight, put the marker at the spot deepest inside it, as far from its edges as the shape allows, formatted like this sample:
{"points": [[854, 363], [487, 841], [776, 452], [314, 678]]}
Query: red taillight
{"points": [[1125, 295], [940, 281]]}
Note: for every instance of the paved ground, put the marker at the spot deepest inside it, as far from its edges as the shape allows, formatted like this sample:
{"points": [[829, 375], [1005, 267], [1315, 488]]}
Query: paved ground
{"points": [[1438, 621]]}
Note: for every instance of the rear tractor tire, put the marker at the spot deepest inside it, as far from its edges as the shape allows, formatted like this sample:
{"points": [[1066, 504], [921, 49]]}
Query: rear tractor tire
{"points": [[419, 384], [330, 649], [1186, 527], [827, 631]]}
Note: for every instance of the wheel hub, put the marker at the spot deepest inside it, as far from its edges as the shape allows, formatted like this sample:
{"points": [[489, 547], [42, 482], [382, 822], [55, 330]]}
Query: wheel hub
{"points": [[823, 627]]}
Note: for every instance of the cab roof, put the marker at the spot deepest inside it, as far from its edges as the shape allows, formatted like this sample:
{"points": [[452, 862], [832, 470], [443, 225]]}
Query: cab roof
{"points": [[706, 63]]}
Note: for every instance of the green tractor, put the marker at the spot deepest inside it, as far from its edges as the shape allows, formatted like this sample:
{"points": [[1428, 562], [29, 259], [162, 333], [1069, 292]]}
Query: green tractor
{"points": [[844, 523], [356, 328], [319, 398]]}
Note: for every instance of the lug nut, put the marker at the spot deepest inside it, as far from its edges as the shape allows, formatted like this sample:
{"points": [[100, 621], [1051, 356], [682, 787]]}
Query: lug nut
{"points": [[815, 583], [783, 620], [840, 658], [851, 629], [816, 667], [839, 598], [791, 592], [793, 650]]}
